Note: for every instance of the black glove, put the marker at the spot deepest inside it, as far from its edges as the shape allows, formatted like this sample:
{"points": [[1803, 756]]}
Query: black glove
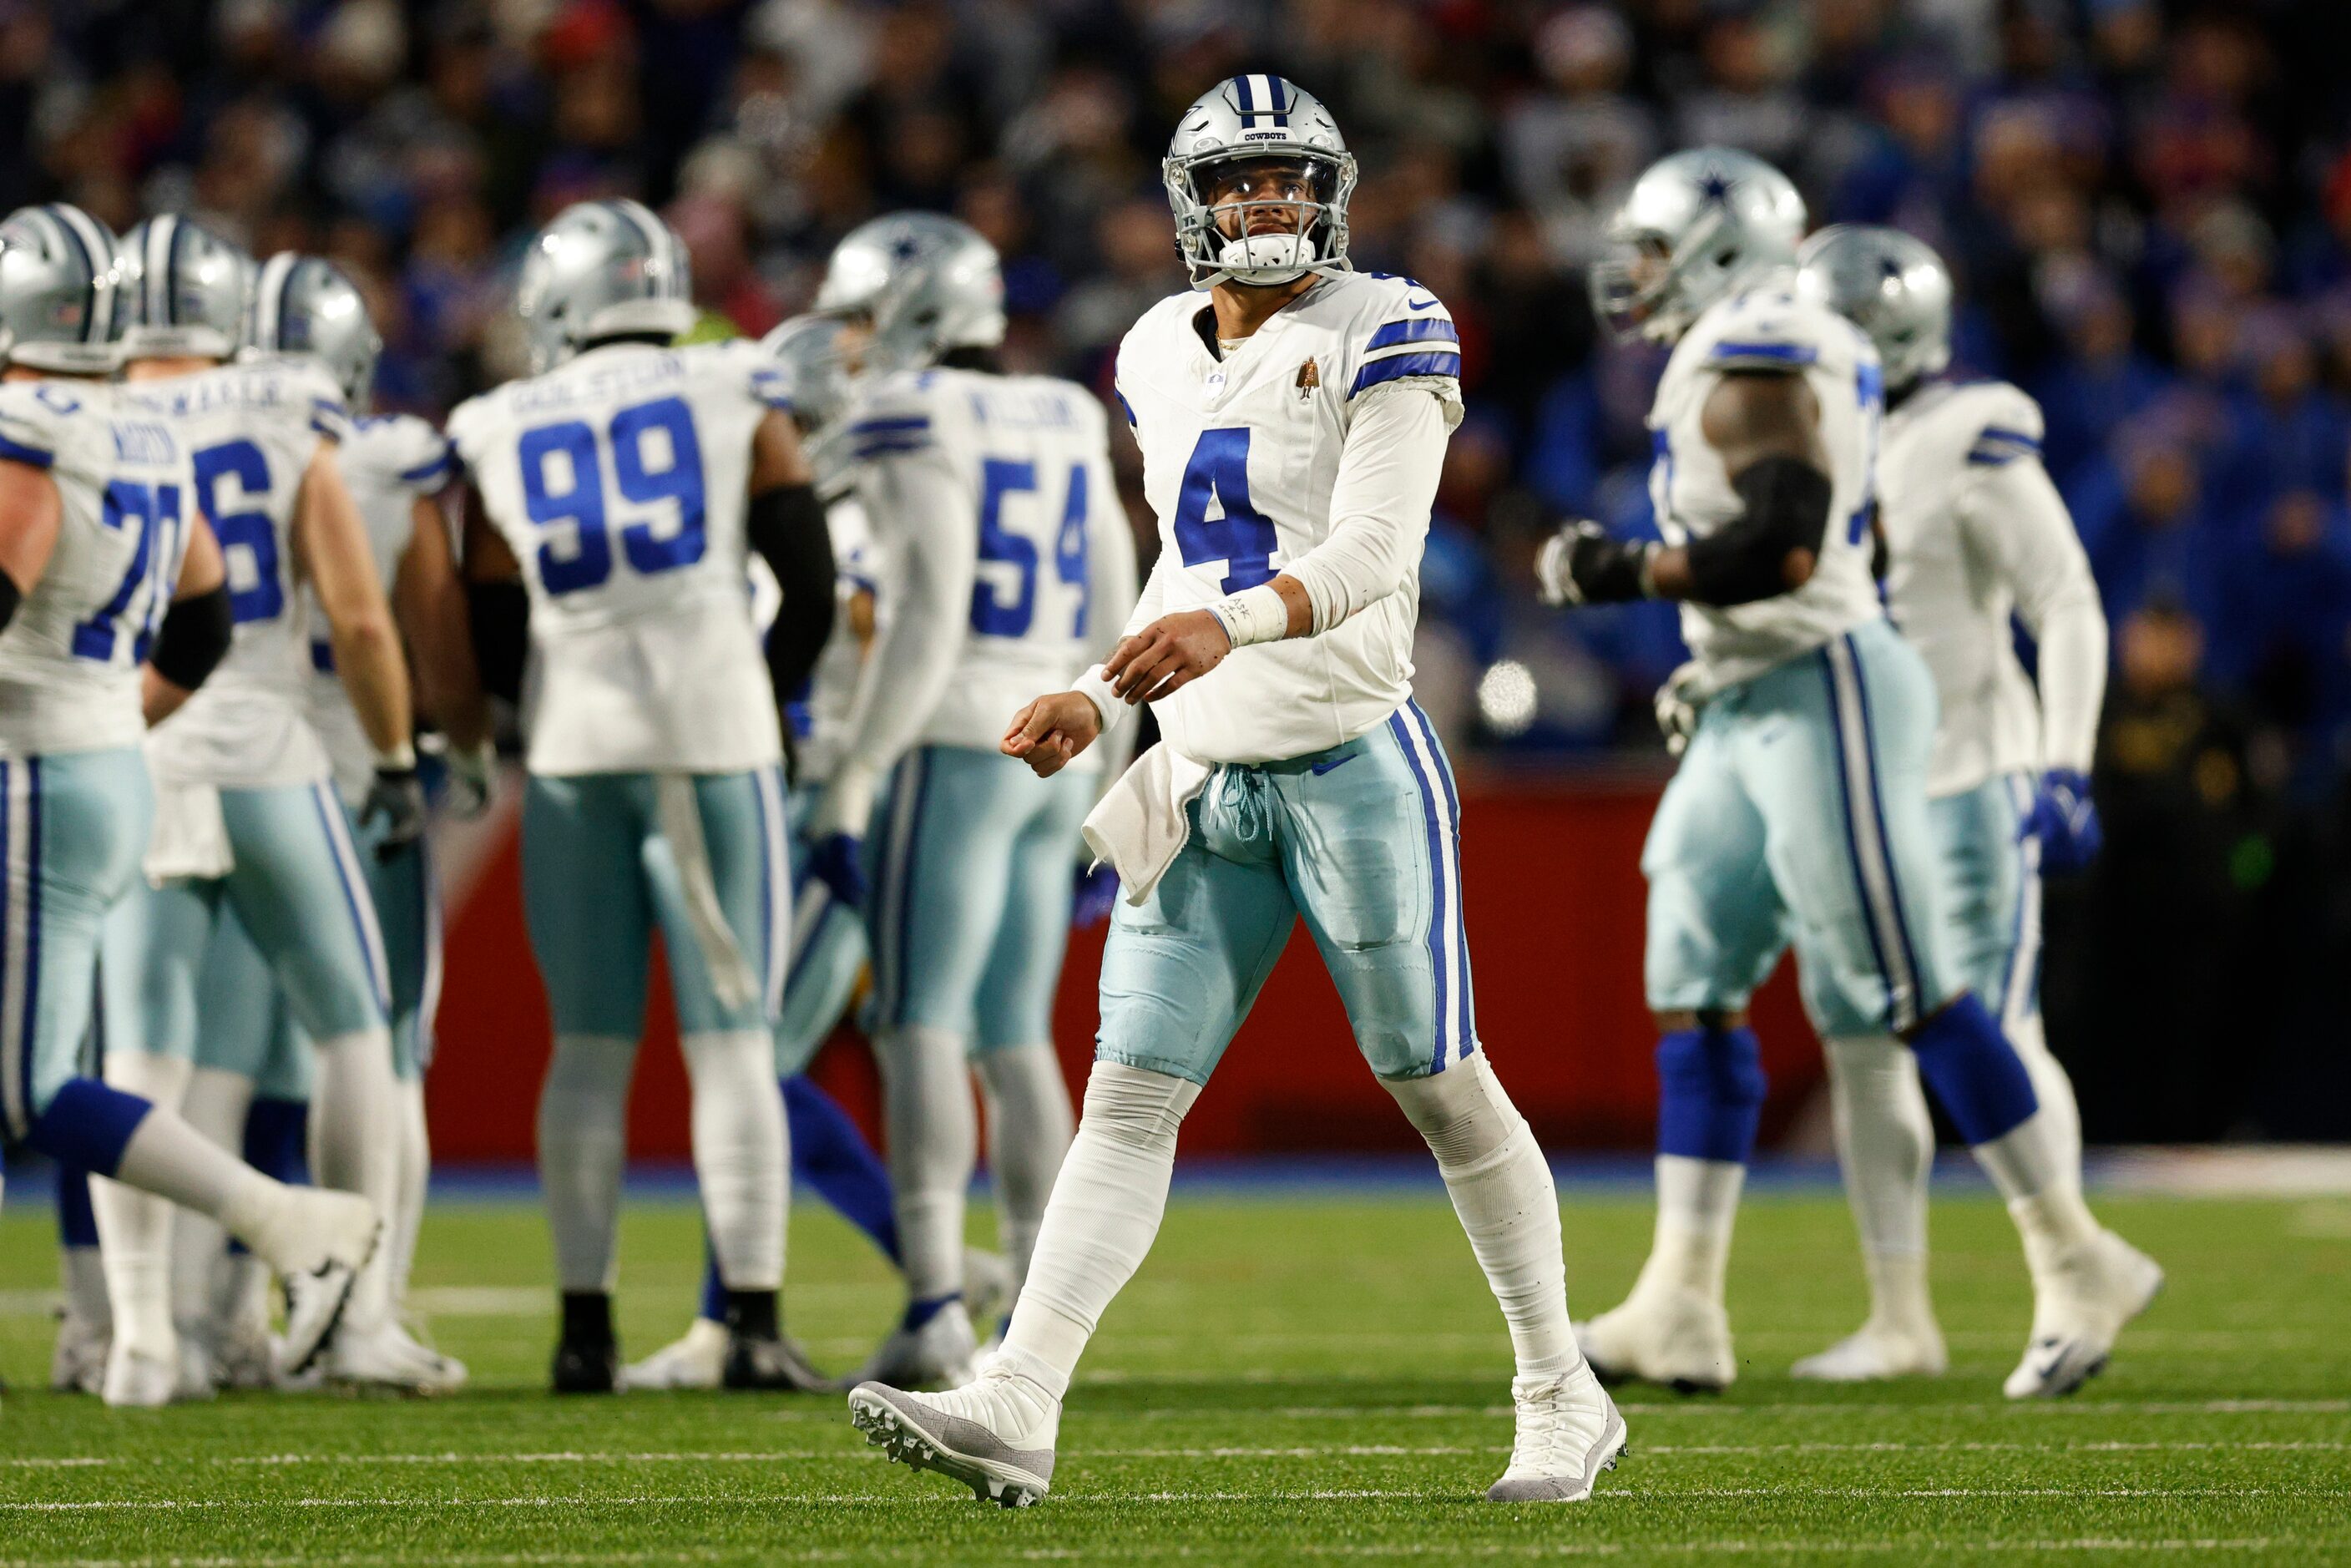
{"points": [[1581, 565], [397, 797]]}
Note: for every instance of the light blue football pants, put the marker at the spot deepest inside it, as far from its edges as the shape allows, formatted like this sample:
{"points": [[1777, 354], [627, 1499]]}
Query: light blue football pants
{"points": [[243, 1025], [972, 874], [827, 955], [73, 826], [1362, 841], [1799, 815], [598, 872], [1991, 893], [298, 889]]}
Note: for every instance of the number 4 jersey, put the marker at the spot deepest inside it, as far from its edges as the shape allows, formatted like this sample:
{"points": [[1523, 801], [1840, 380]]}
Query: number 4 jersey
{"points": [[619, 479], [252, 430], [1240, 454], [69, 658]]}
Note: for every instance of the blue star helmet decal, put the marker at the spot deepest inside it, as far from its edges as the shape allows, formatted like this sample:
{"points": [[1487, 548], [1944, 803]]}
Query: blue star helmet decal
{"points": [[906, 248], [1714, 188]]}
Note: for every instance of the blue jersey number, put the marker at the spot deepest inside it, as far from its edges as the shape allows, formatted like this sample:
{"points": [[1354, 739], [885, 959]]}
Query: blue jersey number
{"points": [[257, 588], [154, 568], [1004, 590], [656, 459], [1240, 536]]}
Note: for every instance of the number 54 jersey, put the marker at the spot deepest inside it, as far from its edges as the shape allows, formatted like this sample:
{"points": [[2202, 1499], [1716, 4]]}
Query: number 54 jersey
{"points": [[618, 480], [1239, 455], [69, 659]]}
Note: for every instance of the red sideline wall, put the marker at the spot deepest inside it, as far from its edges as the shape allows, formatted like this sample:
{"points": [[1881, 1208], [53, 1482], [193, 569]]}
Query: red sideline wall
{"points": [[1554, 902]]}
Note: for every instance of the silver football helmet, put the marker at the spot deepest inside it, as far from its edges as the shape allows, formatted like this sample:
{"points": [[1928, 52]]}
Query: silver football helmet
{"points": [[58, 273], [809, 348], [1889, 284], [1252, 120], [1695, 227], [305, 305], [928, 284], [602, 269], [183, 290]]}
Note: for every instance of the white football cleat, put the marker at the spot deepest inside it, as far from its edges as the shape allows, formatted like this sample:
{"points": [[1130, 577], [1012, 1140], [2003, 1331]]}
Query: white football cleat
{"points": [[2081, 1302], [987, 1286], [696, 1360], [139, 1381], [942, 1353], [386, 1357], [1664, 1334], [317, 1239], [1567, 1432], [1877, 1352], [198, 1378], [995, 1435], [78, 1365]]}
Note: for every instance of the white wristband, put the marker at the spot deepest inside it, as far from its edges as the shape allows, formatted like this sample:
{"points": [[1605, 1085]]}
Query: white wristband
{"points": [[401, 759], [1097, 689], [1256, 614]]}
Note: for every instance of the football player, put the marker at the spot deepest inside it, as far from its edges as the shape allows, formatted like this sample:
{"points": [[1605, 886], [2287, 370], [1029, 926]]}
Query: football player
{"points": [[115, 605], [1974, 532], [613, 498], [246, 820], [1799, 809], [1292, 424], [1007, 565]]}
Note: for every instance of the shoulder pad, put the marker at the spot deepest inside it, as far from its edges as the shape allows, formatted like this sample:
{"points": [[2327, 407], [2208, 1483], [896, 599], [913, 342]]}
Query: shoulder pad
{"points": [[892, 416], [32, 419], [2003, 422], [1764, 329], [1397, 329]]}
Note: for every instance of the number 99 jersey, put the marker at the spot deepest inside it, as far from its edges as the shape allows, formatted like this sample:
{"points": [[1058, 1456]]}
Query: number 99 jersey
{"points": [[619, 481], [252, 430], [69, 658], [1240, 456]]}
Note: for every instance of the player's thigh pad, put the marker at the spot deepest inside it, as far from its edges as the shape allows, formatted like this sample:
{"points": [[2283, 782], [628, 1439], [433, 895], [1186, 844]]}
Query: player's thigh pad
{"points": [[1991, 902], [1835, 754], [1715, 922], [239, 1008], [1014, 1005], [407, 902], [585, 899], [746, 834], [1181, 968], [301, 891], [72, 828], [940, 874], [1371, 839]]}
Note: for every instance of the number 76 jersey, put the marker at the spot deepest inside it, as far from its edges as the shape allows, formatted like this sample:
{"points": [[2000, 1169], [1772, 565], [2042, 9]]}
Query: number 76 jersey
{"points": [[619, 479], [1240, 454]]}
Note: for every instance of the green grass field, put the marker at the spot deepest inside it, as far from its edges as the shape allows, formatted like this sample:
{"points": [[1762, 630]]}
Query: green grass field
{"points": [[1290, 1379]]}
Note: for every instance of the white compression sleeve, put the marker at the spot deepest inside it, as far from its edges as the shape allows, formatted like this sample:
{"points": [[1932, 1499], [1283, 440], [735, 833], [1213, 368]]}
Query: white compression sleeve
{"points": [[1884, 1140], [582, 1144], [1380, 502], [1501, 1189], [2014, 515], [1029, 1124], [134, 1215], [933, 1136], [1100, 1222], [416, 1179], [742, 1159], [215, 1105], [355, 1147]]}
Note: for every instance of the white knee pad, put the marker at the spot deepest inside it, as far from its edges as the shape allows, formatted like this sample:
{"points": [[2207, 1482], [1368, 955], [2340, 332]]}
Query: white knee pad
{"points": [[1886, 1141], [1462, 1111]]}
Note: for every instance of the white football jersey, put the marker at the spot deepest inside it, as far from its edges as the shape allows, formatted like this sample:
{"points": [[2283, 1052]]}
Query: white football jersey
{"points": [[388, 461], [1239, 455], [1760, 328], [69, 657], [619, 479], [253, 428], [1974, 531], [1026, 461]]}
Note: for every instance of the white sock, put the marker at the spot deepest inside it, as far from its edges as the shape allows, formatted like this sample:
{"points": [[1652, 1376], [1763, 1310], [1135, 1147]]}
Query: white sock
{"points": [[416, 1147], [933, 1135], [742, 1158], [355, 1147], [1698, 1200], [134, 1218], [2052, 1087], [1105, 1209], [214, 1104], [583, 1142], [84, 1272], [1029, 1124], [1501, 1188], [1885, 1143]]}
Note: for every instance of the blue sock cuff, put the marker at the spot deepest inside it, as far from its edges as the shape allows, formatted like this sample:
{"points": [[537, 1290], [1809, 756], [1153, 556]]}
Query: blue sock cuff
{"points": [[277, 1133], [76, 1226], [1710, 1087], [714, 1289], [88, 1124], [1976, 1075], [923, 1312]]}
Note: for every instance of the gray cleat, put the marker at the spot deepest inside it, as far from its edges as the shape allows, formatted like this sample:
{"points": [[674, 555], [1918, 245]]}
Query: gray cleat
{"points": [[913, 1430], [1557, 1456]]}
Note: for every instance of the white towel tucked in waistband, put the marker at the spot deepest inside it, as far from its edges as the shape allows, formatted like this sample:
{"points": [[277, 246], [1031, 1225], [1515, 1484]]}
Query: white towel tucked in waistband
{"points": [[190, 839], [1139, 825], [681, 823]]}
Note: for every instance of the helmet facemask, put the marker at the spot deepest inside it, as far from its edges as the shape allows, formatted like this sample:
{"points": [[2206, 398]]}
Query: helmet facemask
{"points": [[1260, 216], [1638, 282]]}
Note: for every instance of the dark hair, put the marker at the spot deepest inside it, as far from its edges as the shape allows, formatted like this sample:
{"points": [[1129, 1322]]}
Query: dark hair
{"points": [[985, 361]]}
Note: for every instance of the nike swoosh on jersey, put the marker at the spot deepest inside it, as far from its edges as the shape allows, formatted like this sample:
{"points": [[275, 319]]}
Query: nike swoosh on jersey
{"points": [[1429, 305]]}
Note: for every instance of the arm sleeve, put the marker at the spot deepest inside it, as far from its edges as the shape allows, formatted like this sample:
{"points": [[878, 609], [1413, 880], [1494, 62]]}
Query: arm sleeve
{"points": [[1112, 598], [927, 585], [2013, 514], [1387, 478], [1093, 686]]}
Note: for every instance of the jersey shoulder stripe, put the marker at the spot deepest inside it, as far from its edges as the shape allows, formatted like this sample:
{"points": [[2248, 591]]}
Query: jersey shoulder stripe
{"points": [[1418, 329], [434, 470], [889, 437], [1446, 361], [17, 451], [1736, 352], [1996, 446]]}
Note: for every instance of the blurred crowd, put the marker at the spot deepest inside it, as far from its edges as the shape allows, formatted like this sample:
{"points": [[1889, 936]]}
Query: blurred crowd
{"points": [[2147, 204]]}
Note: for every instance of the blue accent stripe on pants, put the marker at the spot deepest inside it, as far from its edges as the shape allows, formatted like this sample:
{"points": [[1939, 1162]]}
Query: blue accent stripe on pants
{"points": [[1867, 843], [1464, 995], [896, 924], [356, 898], [1431, 817]]}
